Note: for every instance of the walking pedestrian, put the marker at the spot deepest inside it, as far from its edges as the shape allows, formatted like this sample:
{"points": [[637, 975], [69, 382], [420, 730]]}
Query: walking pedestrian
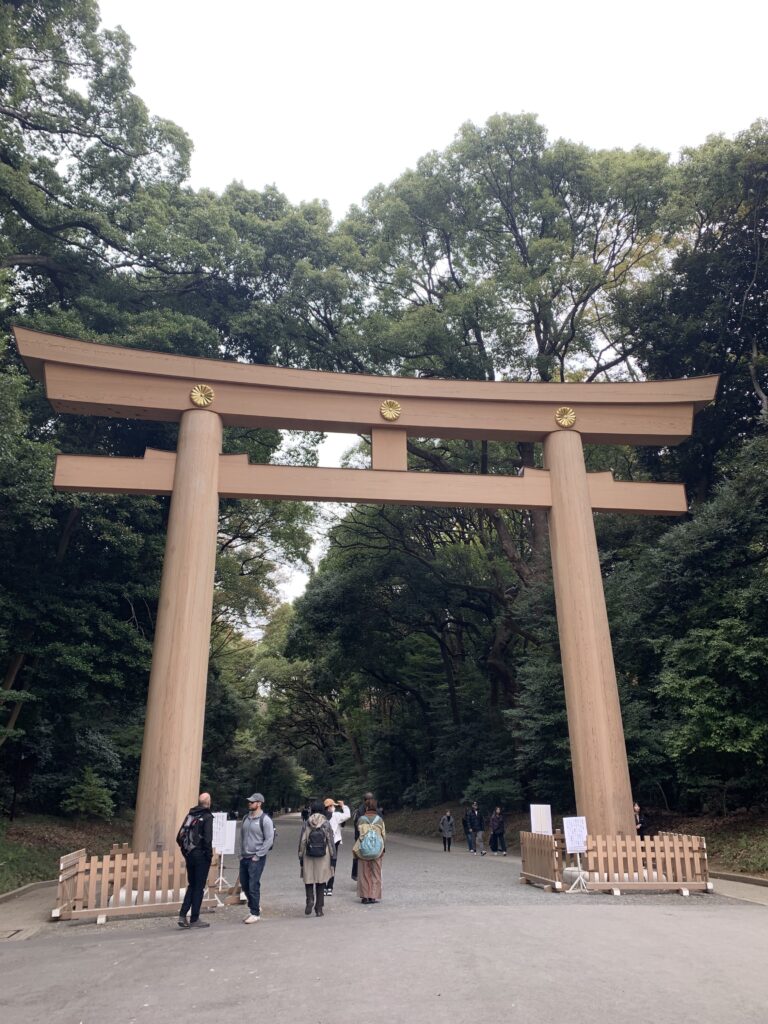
{"points": [[369, 850], [337, 813], [477, 828], [467, 829], [195, 840], [359, 812], [497, 827], [256, 839], [446, 828], [317, 857]]}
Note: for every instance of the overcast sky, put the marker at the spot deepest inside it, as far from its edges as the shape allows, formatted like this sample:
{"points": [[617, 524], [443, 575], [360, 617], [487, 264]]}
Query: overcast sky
{"points": [[327, 99]]}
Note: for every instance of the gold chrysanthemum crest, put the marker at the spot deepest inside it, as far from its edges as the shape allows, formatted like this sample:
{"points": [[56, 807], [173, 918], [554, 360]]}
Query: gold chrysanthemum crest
{"points": [[390, 410], [565, 416], [202, 395]]}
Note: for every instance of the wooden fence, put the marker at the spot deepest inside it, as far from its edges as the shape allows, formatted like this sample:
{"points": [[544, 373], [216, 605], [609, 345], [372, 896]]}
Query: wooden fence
{"points": [[542, 857], [122, 883], [666, 862]]}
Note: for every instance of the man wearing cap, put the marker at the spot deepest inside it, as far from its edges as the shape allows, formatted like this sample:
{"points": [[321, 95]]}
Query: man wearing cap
{"points": [[337, 813], [256, 839]]}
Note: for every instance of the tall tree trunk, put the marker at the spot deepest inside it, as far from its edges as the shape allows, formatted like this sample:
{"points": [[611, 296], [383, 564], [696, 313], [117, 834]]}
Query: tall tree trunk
{"points": [[538, 517], [449, 670]]}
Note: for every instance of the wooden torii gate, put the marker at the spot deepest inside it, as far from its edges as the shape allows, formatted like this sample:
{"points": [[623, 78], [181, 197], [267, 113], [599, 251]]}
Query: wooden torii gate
{"points": [[204, 396]]}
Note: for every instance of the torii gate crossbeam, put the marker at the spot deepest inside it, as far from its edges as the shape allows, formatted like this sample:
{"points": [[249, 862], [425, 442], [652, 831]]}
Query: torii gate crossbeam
{"points": [[204, 396]]}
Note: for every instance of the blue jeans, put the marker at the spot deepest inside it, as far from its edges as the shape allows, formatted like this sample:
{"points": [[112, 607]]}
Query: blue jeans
{"points": [[250, 881], [468, 837]]}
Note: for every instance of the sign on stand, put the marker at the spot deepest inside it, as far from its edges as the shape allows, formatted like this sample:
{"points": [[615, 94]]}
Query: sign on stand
{"points": [[230, 836], [575, 830], [219, 829], [541, 819], [224, 839]]}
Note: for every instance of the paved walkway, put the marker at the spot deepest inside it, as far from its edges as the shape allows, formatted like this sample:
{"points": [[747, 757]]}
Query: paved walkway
{"points": [[454, 935]]}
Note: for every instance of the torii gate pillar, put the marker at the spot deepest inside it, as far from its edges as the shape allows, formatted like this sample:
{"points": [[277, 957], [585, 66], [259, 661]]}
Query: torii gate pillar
{"points": [[598, 751], [171, 755]]}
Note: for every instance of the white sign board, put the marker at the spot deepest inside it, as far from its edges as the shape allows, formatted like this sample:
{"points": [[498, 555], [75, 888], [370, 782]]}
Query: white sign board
{"points": [[219, 829], [575, 830], [541, 819], [230, 838]]}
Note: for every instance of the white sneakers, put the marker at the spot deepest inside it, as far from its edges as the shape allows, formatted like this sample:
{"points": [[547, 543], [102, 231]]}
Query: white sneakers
{"points": [[251, 919]]}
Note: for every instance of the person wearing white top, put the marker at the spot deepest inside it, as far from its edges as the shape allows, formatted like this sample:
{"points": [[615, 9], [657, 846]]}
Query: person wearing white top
{"points": [[337, 813]]}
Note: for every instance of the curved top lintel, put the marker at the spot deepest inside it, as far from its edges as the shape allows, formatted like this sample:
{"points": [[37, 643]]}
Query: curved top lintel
{"points": [[38, 348]]}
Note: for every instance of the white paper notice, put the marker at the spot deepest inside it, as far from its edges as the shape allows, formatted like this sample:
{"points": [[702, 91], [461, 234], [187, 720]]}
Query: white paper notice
{"points": [[230, 837], [575, 830], [541, 819], [219, 830]]}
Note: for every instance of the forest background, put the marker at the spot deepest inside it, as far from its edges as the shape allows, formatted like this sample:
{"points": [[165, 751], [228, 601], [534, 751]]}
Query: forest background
{"points": [[423, 659]]}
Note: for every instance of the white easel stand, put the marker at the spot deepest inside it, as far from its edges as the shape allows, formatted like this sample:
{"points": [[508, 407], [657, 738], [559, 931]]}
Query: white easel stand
{"points": [[579, 884], [221, 881]]}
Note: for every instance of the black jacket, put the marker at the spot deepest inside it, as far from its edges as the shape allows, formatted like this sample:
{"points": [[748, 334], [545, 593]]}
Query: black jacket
{"points": [[475, 821], [205, 830], [497, 824]]}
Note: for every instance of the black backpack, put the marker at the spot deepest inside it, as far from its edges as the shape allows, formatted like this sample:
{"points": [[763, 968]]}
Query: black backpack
{"points": [[316, 842], [189, 835]]}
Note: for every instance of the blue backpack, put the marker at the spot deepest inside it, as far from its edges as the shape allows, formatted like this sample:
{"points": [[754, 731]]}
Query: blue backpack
{"points": [[371, 845]]}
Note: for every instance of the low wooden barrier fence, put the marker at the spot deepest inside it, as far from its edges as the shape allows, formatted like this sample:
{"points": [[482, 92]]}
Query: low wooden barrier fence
{"points": [[666, 862], [122, 883]]}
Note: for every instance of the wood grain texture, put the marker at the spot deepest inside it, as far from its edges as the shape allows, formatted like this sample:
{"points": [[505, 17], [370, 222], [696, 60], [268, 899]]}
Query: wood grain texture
{"points": [[108, 380], [598, 752], [237, 479], [173, 735]]}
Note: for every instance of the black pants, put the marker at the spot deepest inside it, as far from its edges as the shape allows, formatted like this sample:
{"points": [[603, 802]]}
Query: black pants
{"points": [[317, 897], [498, 842], [329, 886], [447, 843], [198, 866]]}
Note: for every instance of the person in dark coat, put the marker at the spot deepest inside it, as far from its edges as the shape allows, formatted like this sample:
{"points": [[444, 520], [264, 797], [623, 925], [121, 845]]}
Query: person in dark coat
{"points": [[641, 822], [198, 826], [496, 825], [476, 824], [467, 829]]}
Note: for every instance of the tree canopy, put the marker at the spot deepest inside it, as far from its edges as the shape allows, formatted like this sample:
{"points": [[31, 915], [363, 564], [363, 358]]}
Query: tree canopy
{"points": [[423, 658]]}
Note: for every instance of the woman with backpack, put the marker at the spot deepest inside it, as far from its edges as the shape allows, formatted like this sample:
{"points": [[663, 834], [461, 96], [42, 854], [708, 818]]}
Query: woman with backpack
{"points": [[317, 857], [369, 850]]}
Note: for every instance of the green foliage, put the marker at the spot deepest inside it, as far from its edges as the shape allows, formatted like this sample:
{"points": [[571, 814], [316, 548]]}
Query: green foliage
{"points": [[696, 621], [423, 659], [89, 797], [490, 787], [431, 634], [21, 864], [745, 851]]}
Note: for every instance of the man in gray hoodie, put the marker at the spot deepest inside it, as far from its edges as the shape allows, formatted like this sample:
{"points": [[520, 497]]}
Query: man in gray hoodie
{"points": [[256, 839]]}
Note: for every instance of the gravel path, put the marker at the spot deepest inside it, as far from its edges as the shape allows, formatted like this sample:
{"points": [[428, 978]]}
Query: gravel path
{"points": [[455, 934]]}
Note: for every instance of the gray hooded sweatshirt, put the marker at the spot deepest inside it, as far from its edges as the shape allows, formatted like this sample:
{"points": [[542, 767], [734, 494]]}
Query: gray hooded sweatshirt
{"points": [[257, 836]]}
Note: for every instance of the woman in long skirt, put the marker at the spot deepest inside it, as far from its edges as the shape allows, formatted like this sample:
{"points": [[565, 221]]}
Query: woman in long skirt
{"points": [[317, 857], [369, 869]]}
